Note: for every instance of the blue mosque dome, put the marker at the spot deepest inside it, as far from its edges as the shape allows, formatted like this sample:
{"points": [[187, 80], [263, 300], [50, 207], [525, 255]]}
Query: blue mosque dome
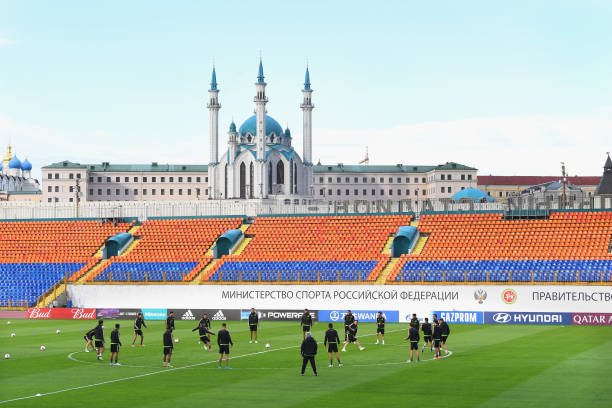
{"points": [[473, 194], [26, 165], [14, 163], [250, 126]]}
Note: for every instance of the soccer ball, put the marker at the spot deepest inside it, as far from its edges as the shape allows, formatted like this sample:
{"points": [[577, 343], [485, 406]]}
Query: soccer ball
{"points": [[267, 345], [57, 331], [9, 322], [42, 348], [176, 340], [7, 356], [12, 334]]}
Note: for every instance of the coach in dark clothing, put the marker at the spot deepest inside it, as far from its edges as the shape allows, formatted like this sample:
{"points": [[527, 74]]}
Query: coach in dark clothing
{"points": [[309, 351]]}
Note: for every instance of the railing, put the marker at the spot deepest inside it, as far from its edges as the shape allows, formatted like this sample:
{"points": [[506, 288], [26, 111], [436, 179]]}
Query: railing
{"points": [[14, 304], [112, 277], [52, 291], [237, 276], [493, 277]]}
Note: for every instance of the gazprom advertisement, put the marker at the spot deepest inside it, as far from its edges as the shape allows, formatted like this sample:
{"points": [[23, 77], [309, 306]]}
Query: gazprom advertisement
{"points": [[528, 318], [154, 314], [454, 316], [367, 316]]}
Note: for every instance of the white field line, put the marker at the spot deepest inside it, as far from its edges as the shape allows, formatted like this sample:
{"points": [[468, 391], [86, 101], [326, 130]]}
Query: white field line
{"points": [[167, 370]]}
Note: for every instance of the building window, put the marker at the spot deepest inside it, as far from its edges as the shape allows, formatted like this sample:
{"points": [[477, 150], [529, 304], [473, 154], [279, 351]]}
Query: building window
{"points": [[99, 191], [135, 179], [180, 191], [463, 177], [416, 192], [356, 179], [90, 179], [49, 176], [348, 192], [321, 192], [117, 179], [108, 179], [365, 179], [198, 179], [56, 189], [71, 189], [99, 179], [49, 189], [423, 180], [197, 191], [399, 179], [117, 191], [171, 179], [441, 189], [91, 191], [390, 192], [188, 191], [382, 192], [163, 191], [347, 179], [500, 193], [57, 176], [126, 179], [365, 192], [108, 191], [49, 199], [153, 179], [171, 191], [180, 179], [407, 192], [329, 179], [356, 192], [70, 199], [329, 192], [448, 189], [163, 179], [450, 177], [189, 179], [206, 191], [390, 179], [373, 192], [338, 179], [152, 191], [443, 177], [382, 179], [399, 192], [321, 180], [338, 192], [56, 200], [373, 180], [71, 176], [144, 191], [469, 176], [127, 192], [144, 179]]}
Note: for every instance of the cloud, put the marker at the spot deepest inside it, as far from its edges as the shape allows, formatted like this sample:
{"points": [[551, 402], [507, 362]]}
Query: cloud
{"points": [[518, 145], [5, 41]]}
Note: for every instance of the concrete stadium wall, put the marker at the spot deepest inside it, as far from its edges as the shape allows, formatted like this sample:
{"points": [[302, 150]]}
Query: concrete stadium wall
{"points": [[406, 299]]}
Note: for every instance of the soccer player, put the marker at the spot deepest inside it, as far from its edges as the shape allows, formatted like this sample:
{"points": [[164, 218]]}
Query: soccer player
{"points": [[206, 321], [224, 340], [437, 336], [253, 323], [445, 331], [138, 324], [380, 327], [99, 338], [170, 321], [204, 332], [352, 335], [88, 339], [306, 323], [426, 327], [414, 337], [331, 342], [168, 347], [435, 317], [348, 319], [414, 322], [308, 352], [115, 343]]}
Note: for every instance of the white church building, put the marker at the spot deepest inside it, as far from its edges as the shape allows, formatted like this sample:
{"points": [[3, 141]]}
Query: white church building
{"points": [[260, 161]]}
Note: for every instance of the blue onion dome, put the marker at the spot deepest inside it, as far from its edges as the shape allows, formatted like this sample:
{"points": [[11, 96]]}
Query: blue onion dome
{"points": [[250, 126], [14, 163], [232, 127], [26, 165], [288, 133]]}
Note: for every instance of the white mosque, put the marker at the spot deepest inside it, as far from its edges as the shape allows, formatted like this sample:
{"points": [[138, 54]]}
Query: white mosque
{"points": [[260, 162]]}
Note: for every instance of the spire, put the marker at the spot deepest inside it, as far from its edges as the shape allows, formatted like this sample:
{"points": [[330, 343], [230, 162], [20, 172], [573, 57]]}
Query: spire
{"points": [[260, 74], [605, 184], [307, 80], [608, 165], [213, 81]]}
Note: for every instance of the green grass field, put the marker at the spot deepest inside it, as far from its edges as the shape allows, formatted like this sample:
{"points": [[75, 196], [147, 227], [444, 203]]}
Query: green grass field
{"points": [[491, 366]]}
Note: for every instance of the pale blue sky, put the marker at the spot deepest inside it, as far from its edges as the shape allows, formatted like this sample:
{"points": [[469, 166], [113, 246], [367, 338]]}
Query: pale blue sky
{"points": [[509, 88]]}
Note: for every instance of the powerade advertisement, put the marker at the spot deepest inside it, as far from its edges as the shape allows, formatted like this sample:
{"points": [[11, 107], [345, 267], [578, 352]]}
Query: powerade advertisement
{"points": [[455, 316], [368, 316], [528, 318], [154, 314]]}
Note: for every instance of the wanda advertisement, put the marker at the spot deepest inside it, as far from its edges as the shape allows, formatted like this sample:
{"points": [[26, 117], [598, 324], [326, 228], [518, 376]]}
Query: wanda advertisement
{"points": [[61, 313]]}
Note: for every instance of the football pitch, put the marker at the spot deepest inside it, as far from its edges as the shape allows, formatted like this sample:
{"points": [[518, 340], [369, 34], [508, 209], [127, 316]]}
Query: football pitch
{"points": [[490, 366]]}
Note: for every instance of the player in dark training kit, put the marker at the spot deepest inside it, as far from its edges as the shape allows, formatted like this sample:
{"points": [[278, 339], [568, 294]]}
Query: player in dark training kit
{"points": [[99, 338], [306, 323], [205, 321], [414, 337], [168, 347], [437, 336], [414, 322], [348, 320], [351, 336], [444, 335], [115, 343], [170, 321], [426, 327], [204, 332], [331, 342], [380, 327], [138, 324], [224, 340], [88, 339], [308, 350], [253, 324]]}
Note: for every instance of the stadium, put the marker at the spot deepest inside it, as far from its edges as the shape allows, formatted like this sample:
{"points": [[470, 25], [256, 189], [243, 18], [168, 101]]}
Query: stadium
{"points": [[262, 279]]}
